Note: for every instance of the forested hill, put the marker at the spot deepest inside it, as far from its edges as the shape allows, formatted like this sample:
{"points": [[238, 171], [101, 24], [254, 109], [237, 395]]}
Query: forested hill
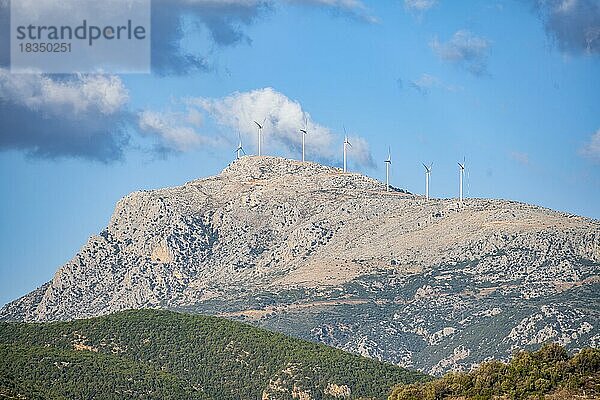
{"points": [[149, 354]]}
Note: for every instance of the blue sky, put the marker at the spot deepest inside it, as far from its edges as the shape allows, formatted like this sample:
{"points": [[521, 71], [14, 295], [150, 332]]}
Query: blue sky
{"points": [[511, 85]]}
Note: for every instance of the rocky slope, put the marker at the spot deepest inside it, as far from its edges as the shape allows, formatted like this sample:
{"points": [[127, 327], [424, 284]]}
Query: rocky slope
{"points": [[332, 257]]}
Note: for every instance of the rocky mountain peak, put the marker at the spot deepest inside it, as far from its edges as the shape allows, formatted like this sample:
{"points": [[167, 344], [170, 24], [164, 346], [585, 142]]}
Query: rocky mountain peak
{"points": [[267, 167], [330, 256], [292, 173]]}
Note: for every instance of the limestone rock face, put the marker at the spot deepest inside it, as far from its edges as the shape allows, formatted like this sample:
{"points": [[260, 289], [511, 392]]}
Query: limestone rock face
{"points": [[332, 257]]}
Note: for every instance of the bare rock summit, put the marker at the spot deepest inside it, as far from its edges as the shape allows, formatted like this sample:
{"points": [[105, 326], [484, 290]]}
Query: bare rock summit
{"points": [[333, 257]]}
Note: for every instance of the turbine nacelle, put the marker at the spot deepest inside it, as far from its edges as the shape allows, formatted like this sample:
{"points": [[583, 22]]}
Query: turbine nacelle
{"points": [[346, 141], [240, 148], [427, 175], [388, 163], [460, 182], [304, 132], [346, 145], [260, 128], [305, 129]]}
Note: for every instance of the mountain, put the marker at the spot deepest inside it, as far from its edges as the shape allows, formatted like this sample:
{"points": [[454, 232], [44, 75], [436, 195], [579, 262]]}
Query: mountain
{"points": [[332, 257], [151, 354]]}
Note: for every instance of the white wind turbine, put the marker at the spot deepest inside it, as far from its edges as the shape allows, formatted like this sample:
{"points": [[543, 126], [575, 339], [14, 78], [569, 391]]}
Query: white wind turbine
{"points": [[260, 128], [346, 144], [427, 175], [461, 172], [304, 132], [240, 148], [388, 164]]}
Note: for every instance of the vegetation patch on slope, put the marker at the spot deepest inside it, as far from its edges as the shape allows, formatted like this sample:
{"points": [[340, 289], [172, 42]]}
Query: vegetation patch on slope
{"points": [[547, 373], [149, 354]]}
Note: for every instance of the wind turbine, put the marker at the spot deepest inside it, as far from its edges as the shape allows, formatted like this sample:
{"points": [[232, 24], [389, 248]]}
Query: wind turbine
{"points": [[304, 132], [260, 128], [239, 149], [388, 164], [346, 144], [427, 175], [461, 173]]}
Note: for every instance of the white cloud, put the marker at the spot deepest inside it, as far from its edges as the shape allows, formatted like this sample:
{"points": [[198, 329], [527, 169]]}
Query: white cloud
{"points": [[464, 48], [171, 130], [419, 5], [573, 24], [353, 8], [520, 157], [282, 118], [427, 82], [223, 21], [424, 83], [360, 151], [591, 149], [79, 95], [74, 116]]}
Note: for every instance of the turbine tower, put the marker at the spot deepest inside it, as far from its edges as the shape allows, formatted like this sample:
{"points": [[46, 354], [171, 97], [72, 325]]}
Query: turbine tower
{"points": [[260, 128], [239, 149], [427, 175], [346, 144], [304, 132], [461, 173], [388, 164]]}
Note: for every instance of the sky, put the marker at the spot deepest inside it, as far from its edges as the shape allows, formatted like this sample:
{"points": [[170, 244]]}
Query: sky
{"points": [[512, 86]]}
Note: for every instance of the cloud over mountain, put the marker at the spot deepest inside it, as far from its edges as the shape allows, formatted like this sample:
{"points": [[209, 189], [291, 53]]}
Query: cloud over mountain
{"points": [[75, 116], [591, 149], [574, 25], [88, 116], [426, 82], [223, 20], [354, 9], [283, 117], [419, 5], [173, 131], [465, 49]]}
